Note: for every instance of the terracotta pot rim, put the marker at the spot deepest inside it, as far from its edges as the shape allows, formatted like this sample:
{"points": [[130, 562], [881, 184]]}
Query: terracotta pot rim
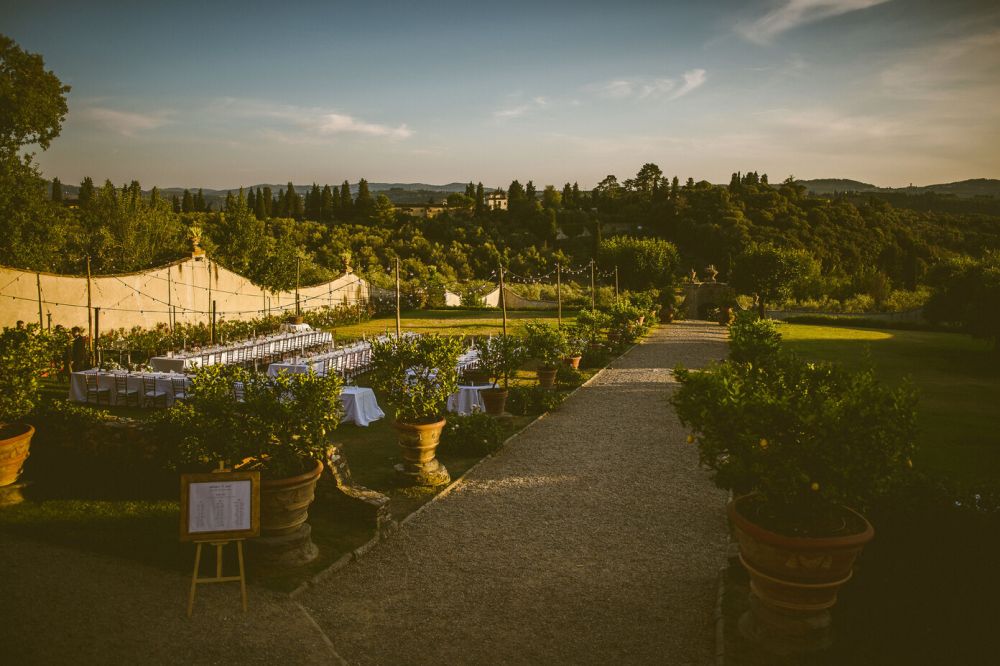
{"points": [[401, 425], [294, 480], [494, 390], [799, 542], [29, 430]]}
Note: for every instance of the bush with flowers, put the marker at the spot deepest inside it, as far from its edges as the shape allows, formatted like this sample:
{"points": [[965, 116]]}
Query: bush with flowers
{"points": [[805, 438]]}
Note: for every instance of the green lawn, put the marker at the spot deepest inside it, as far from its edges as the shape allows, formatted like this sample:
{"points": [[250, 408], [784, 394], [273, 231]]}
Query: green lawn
{"points": [[957, 376], [450, 322]]}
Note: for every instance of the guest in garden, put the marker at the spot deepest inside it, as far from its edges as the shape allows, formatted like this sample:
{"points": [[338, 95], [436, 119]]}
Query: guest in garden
{"points": [[80, 355]]}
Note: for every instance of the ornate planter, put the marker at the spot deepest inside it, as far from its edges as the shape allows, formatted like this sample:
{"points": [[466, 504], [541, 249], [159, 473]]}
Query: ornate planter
{"points": [[14, 451], [794, 580], [573, 361], [494, 400], [285, 536], [418, 443], [547, 377]]}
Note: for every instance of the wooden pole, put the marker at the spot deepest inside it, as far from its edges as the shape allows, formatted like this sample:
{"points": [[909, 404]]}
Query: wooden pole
{"points": [[38, 283], [211, 306], [298, 266], [616, 283], [97, 335], [593, 287], [398, 318], [559, 292], [170, 303], [213, 322], [503, 301], [90, 320]]}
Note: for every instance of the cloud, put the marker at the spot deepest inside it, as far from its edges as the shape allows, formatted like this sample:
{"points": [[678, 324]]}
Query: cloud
{"points": [[126, 123], [963, 66], [647, 88], [692, 79], [336, 123], [793, 13], [308, 120], [520, 110]]}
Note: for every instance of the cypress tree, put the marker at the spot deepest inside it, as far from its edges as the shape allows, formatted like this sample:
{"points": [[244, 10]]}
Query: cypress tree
{"points": [[267, 202], [154, 195], [480, 198], [346, 203], [326, 204], [187, 202], [529, 191], [470, 190], [86, 196], [199, 201], [295, 208], [567, 196], [675, 188], [252, 202], [175, 203], [229, 201], [57, 193], [576, 195], [314, 203], [281, 209], [364, 204]]}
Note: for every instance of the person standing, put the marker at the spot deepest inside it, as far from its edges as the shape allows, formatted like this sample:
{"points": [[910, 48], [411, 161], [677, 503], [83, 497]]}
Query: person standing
{"points": [[79, 350]]}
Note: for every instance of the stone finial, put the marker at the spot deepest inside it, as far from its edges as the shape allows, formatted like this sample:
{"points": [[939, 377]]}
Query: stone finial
{"points": [[711, 272]]}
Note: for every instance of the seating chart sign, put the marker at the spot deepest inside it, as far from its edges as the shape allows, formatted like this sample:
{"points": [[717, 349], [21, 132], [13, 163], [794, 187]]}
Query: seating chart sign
{"points": [[220, 506]]}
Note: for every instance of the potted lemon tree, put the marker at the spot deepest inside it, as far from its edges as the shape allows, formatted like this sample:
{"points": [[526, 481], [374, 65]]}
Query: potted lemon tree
{"points": [[500, 356], [415, 375], [23, 357], [280, 426], [547, 344], [803, 447]]}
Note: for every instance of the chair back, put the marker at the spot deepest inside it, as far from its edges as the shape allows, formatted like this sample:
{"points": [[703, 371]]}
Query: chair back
{"points": [[178, 386], [121, 383]]}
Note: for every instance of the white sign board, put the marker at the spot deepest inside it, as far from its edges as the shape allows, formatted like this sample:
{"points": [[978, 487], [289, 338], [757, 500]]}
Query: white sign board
{"points": [[219, 506]]}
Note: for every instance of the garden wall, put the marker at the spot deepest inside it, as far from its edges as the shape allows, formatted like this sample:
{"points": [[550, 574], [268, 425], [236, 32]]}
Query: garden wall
{"points": [[145, 299]]}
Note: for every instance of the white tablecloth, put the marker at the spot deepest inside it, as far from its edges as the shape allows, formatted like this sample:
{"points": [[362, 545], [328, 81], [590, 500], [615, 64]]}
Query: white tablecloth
{"points": [[360, 406], [106, 380], [295, 328], [466, 400], [343, 360], [252, 349]]}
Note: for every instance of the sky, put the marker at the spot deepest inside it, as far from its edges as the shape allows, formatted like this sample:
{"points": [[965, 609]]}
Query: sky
{"points": [[223, 94]]}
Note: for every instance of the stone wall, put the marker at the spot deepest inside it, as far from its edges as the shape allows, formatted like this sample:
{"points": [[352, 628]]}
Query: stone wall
{"points": [[186, 288]]}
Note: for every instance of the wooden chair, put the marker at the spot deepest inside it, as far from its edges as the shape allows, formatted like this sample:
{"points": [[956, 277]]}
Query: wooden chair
{"points": [[238, 391], [123, 394], [92, 382], [178, 386], [151, 394]]}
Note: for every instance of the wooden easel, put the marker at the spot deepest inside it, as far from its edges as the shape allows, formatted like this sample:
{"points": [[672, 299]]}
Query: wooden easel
{"points": [[218, 578], [220, 539]]}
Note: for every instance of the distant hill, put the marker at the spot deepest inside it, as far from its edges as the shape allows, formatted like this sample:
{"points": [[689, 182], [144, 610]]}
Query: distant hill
{"points": [[976, 187]]}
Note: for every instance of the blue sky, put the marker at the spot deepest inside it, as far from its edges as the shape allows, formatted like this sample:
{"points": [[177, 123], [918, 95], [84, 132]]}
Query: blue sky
{"points": [[220, 94]]}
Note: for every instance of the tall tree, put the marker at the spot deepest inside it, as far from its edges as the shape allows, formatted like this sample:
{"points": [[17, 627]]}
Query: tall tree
{"points": [[268, 203], [768, 272], [32, 100], [480, 198], [86, 194], [648, 178], [281, 204], [251, 200], [364, 203], [296, 208], [57, 193], [187, 202], [346, 203], [567, 196], [199, 201], [175, 203], [326, 204], [530, 193]]}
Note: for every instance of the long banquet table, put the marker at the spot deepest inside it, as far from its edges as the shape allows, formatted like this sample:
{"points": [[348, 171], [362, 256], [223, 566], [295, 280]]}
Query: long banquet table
{"points": [[106, 380], [245, 351]]}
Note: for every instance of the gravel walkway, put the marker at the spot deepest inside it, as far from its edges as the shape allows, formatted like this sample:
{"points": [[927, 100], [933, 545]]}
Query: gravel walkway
{"points": [[592, 537]]}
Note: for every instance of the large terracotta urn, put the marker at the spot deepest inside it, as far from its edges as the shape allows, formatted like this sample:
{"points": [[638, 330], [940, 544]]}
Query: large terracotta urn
{"points": [[285, 536], [794, 580], [14, 448], [418, 443], [494, 400], [547, 377]]}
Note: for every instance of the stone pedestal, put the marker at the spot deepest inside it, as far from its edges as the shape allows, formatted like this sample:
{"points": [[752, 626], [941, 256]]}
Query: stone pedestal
{"points": [[432, 473], [13, 493], [786, 632], [287, 550]]}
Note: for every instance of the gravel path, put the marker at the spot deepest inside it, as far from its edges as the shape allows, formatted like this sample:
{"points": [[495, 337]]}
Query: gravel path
{"points": [[592, 537]]}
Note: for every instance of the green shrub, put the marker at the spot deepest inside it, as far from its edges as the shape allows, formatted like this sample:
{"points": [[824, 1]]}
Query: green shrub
{"points": [[546, 343], [24, 356], [501, 356], [805, 437], [475, 434], [569, 376], [532, 400], [415, 375], [753, 339]]}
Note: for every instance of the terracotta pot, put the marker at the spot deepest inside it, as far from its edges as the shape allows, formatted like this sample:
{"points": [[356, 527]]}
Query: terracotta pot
{"points": [[284, 503], [573, 361], [494, 400], [547, 377], [418, 443], [794, 580], [14, 451], [642, 320]]}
